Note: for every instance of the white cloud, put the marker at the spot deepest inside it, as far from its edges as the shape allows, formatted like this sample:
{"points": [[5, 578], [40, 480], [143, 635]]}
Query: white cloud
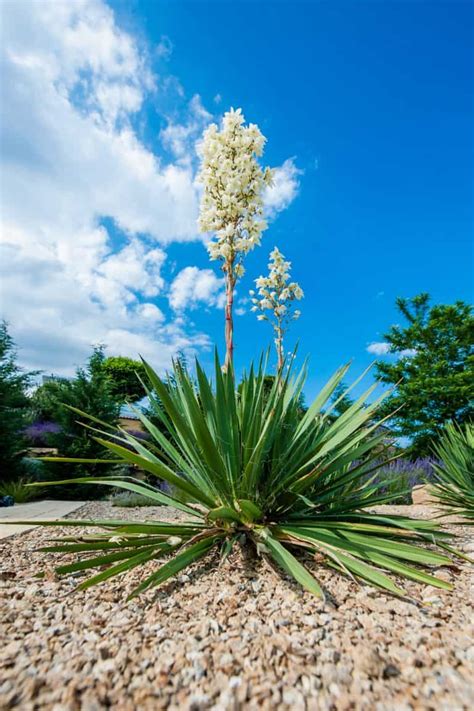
{"points": [[134, 268], [194, 286], [72, 84], [284, 189], [56, 321], [150, 312], [78, 47], [380, 348], [180, 138], [164, 48]]}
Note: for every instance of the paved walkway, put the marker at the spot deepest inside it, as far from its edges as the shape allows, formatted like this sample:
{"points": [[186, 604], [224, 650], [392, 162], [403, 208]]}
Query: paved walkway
{"points": [[41, 510]]}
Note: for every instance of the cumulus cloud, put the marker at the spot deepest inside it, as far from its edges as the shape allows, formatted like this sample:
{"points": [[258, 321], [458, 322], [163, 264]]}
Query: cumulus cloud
{"points": [[378, 348], [150, 312], [284, 189], [56, 321], [180, 138], [133, 268], [193, 287], [73, 82]]}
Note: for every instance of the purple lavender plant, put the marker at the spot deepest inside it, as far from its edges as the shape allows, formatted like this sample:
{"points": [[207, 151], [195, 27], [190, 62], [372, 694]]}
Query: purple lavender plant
{"points": [[399, 477], [39, 433]]}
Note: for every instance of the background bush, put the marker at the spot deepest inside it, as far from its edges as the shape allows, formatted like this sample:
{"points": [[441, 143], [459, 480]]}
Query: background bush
{"points": [[39, 434], [20, 491], [14, 408], [89, 391], [123, 374]]}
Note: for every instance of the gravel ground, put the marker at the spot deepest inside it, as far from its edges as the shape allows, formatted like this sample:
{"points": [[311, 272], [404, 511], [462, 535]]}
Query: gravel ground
{"points": [[240, 637]]}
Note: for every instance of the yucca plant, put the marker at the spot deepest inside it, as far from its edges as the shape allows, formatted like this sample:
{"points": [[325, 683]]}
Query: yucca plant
{"points": [[250, 469], [454, 472], [19, 490]]}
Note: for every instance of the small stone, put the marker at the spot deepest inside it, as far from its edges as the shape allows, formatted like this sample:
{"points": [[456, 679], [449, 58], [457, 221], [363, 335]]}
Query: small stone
{"points": [[390, 671], [367, 661]]}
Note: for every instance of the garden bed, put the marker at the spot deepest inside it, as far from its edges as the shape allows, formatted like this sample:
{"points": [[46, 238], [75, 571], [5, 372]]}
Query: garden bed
{"points": [[239, 636]]}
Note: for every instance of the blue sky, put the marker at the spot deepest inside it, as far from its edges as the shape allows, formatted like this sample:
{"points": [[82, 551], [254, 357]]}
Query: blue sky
{"points": [[368, 112]]}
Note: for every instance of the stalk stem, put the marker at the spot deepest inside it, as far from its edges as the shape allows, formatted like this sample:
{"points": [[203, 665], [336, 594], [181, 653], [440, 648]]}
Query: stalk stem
{"points": [[229, 316]]}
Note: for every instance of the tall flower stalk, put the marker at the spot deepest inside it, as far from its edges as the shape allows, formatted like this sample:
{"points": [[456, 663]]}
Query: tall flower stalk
{"points": [[275, 300], [231, 204]]}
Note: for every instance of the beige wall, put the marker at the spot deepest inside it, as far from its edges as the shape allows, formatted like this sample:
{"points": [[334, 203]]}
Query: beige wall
{"points": [[128, 424]]}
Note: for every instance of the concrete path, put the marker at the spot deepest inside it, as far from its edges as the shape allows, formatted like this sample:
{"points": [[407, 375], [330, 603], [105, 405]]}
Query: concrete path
{"points": [[41, 510]]}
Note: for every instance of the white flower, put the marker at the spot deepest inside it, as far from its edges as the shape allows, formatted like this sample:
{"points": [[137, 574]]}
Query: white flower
{"points": [[231, 205], [276, 296]]}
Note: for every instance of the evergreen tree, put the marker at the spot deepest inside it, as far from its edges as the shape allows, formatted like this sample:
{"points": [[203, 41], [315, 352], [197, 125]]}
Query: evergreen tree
{"points": [[345, 400], [46, 400], [433, 371], [13, 407], [90, 391], [124, 375]]}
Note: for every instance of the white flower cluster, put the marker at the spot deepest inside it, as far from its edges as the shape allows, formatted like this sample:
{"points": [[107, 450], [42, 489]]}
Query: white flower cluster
{"points": [[231, 205], [276, 294]]}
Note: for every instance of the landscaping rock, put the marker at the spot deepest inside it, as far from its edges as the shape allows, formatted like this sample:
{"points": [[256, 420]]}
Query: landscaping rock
{"points": [[227, 638], [420, 495]]}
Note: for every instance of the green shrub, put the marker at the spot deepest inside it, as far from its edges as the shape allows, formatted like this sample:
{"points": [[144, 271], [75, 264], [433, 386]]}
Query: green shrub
{"points": [[89, 390], [34, 469], [454, 474], [130, 501], [261, 474], [124, 375], [20, 491]]}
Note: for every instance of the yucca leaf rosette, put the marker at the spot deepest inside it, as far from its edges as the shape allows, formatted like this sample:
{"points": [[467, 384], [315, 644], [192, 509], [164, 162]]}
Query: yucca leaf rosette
{"points": [[246, 467]]}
